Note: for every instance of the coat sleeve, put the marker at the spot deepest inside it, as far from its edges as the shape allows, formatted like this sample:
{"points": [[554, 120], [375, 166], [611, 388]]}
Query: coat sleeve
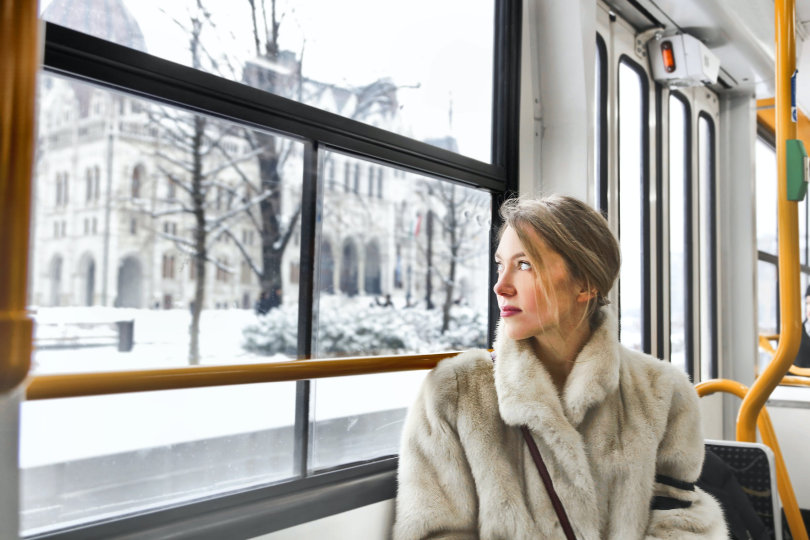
{"points": [[436, 495], [679, 509]]}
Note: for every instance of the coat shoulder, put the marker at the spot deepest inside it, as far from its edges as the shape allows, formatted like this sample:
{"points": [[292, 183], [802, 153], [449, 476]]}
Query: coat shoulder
{"points": [[472, 363], [453, 377], [659, 374]]}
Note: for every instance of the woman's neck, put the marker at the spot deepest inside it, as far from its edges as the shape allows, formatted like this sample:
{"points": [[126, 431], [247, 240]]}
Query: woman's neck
{"points": [[557, 351]]}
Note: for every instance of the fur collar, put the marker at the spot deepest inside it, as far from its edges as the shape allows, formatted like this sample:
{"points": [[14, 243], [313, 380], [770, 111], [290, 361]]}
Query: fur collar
{"points": [[526, 393]]}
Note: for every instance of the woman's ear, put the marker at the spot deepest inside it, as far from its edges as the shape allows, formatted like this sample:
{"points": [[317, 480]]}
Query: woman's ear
{"points": [[586, 295]]}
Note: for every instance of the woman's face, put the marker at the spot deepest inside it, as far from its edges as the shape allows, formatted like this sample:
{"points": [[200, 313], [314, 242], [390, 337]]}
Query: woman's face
{"points": [[527, 309]]}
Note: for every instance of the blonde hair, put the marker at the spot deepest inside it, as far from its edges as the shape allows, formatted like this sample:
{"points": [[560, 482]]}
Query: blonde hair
{"points": [[574, 230]]}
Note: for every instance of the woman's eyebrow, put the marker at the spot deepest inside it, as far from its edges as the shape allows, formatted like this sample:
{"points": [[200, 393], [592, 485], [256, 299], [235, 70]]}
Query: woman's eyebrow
{"points": [[515, 256]]}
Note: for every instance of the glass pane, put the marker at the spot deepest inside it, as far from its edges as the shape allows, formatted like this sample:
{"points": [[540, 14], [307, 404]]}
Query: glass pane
{"points": [[631, 178], [92, 458], [678, 246], [360, 418], [159, 235], [426, 77], [403, 269], [707, 283], [766, 197], [767, 304]]}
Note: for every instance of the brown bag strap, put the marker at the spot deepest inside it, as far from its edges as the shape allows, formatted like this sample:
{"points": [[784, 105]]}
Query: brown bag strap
{"points": [[552, 493]]}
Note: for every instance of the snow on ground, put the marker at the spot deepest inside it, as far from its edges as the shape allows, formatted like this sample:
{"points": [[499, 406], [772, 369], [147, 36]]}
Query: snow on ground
{"points": [[59, 430], [161, 339]]}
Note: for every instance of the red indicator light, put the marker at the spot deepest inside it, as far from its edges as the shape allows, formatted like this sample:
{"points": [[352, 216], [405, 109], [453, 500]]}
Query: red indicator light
{"points": [[668, 56]]}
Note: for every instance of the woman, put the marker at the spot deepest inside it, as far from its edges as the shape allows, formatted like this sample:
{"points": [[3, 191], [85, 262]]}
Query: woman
{"points": [[617, 430]]}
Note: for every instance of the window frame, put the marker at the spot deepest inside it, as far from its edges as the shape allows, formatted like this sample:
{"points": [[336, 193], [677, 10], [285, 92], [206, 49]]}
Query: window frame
{"points": [[646, 256], [601, 129], [689, 323], [711, 184], [309, 494]]}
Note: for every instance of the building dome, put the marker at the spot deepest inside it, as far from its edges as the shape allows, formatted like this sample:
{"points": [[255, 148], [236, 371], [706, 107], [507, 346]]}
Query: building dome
{"points": [[107, 19]]}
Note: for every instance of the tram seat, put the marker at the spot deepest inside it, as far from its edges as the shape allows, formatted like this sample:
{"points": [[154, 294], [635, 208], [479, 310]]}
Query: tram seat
{"points": [[753, 466]]}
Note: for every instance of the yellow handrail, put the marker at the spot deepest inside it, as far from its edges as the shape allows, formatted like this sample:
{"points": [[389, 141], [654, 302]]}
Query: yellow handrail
{"points": [[786, 493], [18, 56], [765, 343], [790, 314], [90, 384]]}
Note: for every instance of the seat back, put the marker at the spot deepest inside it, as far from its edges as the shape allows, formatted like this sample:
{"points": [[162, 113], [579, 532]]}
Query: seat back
{"points": [[753, 467]]}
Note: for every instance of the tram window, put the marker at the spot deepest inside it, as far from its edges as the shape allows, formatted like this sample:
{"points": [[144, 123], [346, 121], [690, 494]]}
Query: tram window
{"points": [[281, 50], [767, 274], [121, 276], [767, 303], [706, 228], [767, 244], [679, 245], [90, 458], [766, 198], [427, 235], [632, 122]]}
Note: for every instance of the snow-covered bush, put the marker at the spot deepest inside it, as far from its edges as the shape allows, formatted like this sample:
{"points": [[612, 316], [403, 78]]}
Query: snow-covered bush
{"points": [[275, 332], [357, 326]]}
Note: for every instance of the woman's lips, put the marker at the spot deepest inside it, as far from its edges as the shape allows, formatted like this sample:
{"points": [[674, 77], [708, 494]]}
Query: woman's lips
{"points": [[508, 311]]}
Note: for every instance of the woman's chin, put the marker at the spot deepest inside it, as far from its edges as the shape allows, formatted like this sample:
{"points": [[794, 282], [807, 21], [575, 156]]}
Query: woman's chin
{"points": [[518, 334]]}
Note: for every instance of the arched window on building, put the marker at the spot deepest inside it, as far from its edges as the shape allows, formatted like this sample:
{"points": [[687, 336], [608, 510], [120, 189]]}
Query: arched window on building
{"points": [[348, 269], [87, 275], [326, 281], [372, 269]]}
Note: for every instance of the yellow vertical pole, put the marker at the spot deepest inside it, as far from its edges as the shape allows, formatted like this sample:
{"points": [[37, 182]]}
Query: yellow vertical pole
{"points": [[789, 293], [790, 309], [19, 61]]}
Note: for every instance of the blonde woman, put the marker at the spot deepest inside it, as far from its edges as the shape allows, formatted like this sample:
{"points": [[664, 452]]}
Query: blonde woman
{"points": [[616, 431]]}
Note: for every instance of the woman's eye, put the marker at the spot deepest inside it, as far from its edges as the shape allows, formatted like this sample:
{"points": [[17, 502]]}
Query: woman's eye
{"points": [[498, 266], [524, 265]]}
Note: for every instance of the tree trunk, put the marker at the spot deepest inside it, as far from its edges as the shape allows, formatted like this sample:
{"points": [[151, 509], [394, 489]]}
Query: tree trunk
{"points": [[452, 224], [201, 250], [272, 242]]}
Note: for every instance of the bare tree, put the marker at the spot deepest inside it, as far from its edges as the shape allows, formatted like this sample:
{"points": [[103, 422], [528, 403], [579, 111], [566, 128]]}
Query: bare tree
{"points": [[457, 211], [191, 154], [280, 72]]}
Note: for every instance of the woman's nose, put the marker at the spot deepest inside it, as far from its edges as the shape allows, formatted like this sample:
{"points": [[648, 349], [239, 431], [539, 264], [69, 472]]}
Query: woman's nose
{"points": [[503, 287]]}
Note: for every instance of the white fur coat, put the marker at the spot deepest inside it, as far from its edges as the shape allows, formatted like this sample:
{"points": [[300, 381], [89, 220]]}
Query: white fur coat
{"points": [[622, 444]]}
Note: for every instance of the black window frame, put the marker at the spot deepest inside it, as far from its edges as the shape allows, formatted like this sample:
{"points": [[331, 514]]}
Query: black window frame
{"points": [[311, 494], [645, 223], [601, 148], [689, 300], [712, 237]]}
